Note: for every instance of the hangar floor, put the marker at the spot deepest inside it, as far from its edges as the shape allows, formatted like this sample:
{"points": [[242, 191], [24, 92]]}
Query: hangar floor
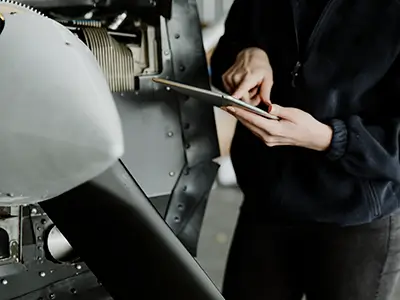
{"points": [[217, 232]]}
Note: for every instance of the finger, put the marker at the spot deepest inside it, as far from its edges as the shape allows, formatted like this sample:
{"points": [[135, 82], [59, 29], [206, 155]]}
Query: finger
{"points": [[254, 92], [268, 139], [270, 126], [245, 86], [246, 98], [255, 100], [227, 83], [282, 112], [265, 91]]}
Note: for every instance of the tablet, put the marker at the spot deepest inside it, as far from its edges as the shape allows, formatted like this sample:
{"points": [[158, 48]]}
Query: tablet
{"points": [[213, 98]]}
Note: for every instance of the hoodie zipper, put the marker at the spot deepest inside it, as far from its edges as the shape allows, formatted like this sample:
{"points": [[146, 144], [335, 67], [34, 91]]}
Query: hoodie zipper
{"points": [[325, 13]]}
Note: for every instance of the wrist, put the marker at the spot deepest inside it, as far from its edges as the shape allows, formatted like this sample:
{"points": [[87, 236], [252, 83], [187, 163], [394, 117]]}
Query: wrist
{"points": [[323, 138]]}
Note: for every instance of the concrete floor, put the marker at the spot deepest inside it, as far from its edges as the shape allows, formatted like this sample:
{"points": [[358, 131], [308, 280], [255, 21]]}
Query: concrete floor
{"points": [[218, 227]]}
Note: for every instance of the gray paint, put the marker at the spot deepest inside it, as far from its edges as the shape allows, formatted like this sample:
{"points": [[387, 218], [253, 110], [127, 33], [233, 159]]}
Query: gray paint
{"points": [[59, 126]]}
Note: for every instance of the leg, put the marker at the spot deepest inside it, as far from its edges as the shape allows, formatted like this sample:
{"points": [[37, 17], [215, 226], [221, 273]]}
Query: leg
{"points": [[263, 263], [354, 263]]}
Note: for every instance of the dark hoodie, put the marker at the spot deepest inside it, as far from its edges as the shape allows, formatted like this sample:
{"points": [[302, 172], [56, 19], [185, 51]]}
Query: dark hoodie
{"points": [[349, 79]]}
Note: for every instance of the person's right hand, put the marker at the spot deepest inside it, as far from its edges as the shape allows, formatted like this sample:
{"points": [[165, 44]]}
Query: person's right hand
{"points": [[250, 78]]}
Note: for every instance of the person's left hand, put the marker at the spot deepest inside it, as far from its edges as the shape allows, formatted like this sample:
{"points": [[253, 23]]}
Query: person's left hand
{"points": [[295, 128]]}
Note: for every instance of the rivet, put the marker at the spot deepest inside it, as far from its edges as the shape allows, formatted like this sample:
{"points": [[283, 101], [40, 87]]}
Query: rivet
{"points": [[168, 88], [122, 94], [39, 228], [42, 274], [78, 267], [40, 238], [44, 221], [181, 206], [177, 219], [67, 43], [184, 188], [182, 68], [171, 174], [177, 35], [4, 281], [166, 52], [52, 296], [136, 93], [73, 291], [170, 134], [34, 211]]}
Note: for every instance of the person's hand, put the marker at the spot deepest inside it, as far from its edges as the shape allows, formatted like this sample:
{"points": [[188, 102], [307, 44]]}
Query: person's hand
{"points": [[250, 78], [295, 128]]}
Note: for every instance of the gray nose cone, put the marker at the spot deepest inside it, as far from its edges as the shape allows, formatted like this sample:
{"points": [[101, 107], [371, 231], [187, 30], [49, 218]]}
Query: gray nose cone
{"points": [[59, 125]]}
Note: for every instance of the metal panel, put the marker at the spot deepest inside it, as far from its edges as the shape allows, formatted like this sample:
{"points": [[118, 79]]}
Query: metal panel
{"points": [[37, 276], [126, 243], [170, 144]]}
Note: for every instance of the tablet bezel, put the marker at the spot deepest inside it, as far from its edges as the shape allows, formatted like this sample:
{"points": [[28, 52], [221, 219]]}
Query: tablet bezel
{"points": [[219, 97]]}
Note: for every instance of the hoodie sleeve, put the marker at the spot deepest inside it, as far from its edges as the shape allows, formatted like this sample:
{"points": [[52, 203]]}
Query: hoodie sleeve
{"points": [[370, 147], [238, 35]]}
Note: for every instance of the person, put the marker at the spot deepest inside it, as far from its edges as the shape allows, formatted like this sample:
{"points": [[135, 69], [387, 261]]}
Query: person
{"points": [[321, 185]]}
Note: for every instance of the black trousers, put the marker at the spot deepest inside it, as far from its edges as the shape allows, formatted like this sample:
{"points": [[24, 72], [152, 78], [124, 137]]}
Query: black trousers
{"points": [[278, 261]]}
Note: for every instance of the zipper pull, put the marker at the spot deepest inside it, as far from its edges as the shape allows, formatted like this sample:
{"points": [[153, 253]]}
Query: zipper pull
{"points": [[295, 73]]}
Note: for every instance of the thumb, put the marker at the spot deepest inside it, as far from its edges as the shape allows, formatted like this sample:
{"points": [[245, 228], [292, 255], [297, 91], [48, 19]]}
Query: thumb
{"points": [[265, 92], [243, 89], [282, 112]]}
